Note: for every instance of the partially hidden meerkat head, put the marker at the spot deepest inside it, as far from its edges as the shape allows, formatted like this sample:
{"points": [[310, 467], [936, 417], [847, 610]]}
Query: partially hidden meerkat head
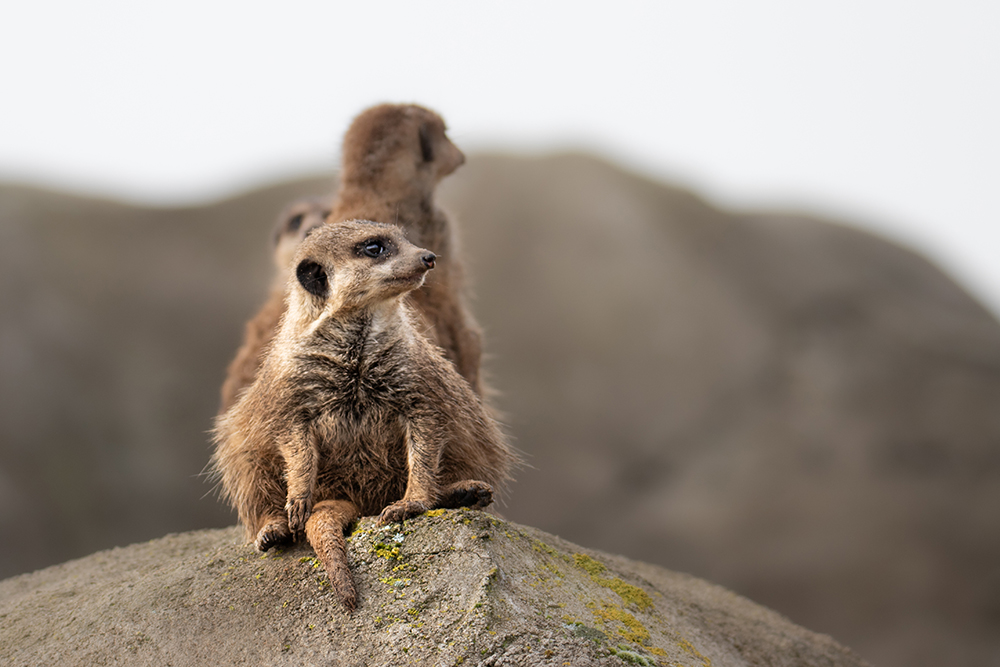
{"points": [[354, 265], [295, 222], [398, 147]]}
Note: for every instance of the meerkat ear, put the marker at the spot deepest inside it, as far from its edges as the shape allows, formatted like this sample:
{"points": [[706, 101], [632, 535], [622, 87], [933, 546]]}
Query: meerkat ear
{"points": [[312, 277], [426, 145]]}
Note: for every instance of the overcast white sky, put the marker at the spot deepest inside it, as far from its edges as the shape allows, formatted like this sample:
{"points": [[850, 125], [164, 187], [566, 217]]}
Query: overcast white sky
{"points": [[883, 111]]}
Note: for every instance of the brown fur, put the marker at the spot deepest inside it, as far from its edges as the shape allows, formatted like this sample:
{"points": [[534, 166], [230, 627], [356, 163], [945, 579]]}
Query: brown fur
{"points": [[354, 412], [294, 223], [394, 155]]}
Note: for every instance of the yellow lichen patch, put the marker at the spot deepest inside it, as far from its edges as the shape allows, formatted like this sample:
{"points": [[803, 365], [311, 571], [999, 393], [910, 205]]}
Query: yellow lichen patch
{"points": [[633, 631], [543, 548], [629, 594], [689, 648], [585, 562], [435, 512], [387, 551]]}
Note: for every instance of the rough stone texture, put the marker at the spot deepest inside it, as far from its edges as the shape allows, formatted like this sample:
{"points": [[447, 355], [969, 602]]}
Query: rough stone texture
{"points": [[797, 410], [449, 588]]}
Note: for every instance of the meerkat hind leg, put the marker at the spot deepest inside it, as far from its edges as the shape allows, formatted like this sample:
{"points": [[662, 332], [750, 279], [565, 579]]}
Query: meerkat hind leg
{"points": [[274, 532], [402, 510], [325, 531], [469, 493]]}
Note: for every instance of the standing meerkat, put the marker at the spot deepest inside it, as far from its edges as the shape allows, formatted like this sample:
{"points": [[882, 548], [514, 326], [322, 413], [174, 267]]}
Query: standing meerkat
{"points": [[354, 412], [393, 157], [294, 223]]}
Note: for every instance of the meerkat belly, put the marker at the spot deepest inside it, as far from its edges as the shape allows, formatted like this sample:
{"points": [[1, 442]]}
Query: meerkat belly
{"points": [[362, 458]]}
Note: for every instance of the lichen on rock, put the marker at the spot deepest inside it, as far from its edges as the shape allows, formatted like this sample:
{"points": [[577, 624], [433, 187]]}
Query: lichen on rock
{"points": [[452, 587]]}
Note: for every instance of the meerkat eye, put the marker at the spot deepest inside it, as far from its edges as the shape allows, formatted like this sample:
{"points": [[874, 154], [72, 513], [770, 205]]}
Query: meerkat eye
{"points": [[295, 222], [426, 144], [374, 249]]}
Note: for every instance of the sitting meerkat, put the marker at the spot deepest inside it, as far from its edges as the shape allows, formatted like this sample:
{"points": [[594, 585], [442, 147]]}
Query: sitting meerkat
{"points": [[294, 223], [353, 411], [394, 155]]}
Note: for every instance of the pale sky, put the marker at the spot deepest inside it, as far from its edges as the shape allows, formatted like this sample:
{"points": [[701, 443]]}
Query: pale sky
{"points": [[884, 112]]}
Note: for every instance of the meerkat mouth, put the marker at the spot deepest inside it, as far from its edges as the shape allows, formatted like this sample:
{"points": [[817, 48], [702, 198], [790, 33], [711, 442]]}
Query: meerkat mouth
{"points": [[415, 277]]}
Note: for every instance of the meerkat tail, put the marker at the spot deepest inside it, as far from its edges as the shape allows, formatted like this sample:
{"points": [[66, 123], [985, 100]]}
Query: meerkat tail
{"points": [[325, 533]]}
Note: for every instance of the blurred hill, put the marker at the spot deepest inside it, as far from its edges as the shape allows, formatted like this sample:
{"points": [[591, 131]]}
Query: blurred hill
{"points": [[787, 406]]}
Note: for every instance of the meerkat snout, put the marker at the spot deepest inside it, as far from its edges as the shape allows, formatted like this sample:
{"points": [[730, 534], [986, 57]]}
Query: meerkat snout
{"points": [[428, 260]]}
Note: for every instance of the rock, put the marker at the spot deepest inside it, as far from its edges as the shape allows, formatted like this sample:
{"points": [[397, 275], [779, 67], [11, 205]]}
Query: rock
{"points": [[447, 588]]}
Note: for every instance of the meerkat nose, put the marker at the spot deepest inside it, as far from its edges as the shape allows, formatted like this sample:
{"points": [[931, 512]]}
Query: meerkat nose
{"points": [[428, 260]]}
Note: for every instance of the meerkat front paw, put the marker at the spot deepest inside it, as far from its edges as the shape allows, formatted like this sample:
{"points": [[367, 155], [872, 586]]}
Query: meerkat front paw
{"points": [[298, 511], [401, 510]]}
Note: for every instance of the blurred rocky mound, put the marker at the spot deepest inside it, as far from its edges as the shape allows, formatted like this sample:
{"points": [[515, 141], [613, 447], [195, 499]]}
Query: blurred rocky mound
{"points": [[451, 588], [792, 408]]}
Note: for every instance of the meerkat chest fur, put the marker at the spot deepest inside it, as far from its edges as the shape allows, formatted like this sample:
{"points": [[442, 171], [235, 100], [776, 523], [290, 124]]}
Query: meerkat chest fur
{"points": [[355, 387], [357, 369]]}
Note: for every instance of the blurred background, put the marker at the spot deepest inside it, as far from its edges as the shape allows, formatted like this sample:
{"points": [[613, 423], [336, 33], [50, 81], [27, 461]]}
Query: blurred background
{"points": [[736, 263]]}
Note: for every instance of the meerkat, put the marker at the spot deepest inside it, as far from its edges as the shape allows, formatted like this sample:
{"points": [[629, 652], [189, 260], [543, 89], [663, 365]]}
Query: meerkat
{"points": [[294, 224], [393, 157], [354, 411]]}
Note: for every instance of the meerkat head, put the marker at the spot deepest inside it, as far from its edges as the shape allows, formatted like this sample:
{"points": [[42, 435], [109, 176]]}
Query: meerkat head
{"points": [[297, 220], [398, 147], [354, 265]]}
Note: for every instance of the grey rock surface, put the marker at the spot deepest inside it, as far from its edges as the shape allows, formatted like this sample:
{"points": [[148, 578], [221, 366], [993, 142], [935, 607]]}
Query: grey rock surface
{"points": [[447, 588]]}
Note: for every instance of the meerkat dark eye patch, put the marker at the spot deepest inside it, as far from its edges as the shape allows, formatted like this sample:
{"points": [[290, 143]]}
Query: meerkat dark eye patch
{"points": [[426, 145], [294, 223], [312, 277]]}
